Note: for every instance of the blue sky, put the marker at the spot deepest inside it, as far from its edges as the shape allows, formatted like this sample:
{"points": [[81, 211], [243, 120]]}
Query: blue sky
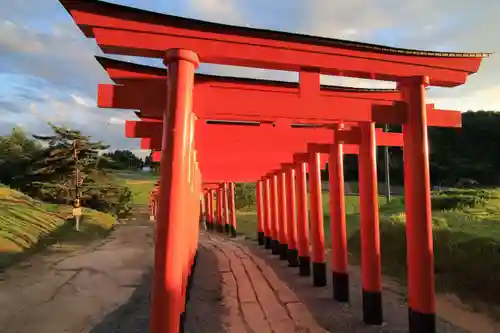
{"points": [[48, 73]]}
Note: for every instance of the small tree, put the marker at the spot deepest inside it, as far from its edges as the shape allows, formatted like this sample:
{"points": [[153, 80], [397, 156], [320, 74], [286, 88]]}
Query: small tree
{"points": [[68, 168], [68, 157]]}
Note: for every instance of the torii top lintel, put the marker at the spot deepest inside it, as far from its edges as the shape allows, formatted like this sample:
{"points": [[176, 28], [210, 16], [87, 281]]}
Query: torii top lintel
{"points": [[129, 31]]}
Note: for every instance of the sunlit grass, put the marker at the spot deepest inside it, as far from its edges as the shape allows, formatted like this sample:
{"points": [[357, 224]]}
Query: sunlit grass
{"points": [[140, 184], [27, 225], [466, 240]]}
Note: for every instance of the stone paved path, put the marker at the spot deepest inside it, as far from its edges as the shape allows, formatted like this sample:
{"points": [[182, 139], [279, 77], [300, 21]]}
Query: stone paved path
{"points": [[251, 296]]}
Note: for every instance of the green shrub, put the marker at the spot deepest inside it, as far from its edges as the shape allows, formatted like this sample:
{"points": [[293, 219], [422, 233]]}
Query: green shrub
{"points": [[244, 194], [459, 198], [99, 191]]}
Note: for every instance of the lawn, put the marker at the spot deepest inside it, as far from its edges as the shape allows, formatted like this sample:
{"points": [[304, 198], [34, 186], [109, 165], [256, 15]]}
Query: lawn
{"points": [[28, 225], [466, 231], [140, 183]]}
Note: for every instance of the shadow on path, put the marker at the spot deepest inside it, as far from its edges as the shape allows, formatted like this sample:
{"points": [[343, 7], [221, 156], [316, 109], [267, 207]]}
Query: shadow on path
{"points": [[341, 317], [132, 316], [204, 310]]}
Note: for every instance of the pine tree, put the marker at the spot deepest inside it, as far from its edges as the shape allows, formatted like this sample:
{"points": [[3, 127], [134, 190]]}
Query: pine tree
{"points": [[69, 157]]}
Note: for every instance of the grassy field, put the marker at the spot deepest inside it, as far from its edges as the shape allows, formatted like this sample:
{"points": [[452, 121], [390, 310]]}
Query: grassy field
{"points": [[28, 225], [466, 231], [140, 183]]}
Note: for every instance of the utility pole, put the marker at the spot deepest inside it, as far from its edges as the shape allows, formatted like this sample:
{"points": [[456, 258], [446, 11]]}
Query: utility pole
{"points": [[77, 210], [77, 172], [387, 169]]}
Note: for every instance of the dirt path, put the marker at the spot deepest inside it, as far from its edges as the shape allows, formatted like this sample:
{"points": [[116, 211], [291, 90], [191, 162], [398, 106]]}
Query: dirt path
{"points": [[73, 292]]}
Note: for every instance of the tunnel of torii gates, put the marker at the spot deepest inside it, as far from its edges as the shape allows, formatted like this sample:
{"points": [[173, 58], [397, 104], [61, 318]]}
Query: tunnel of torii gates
{"points": [[183, 43]]}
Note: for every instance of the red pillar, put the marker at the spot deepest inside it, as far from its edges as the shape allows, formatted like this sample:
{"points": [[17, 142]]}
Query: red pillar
{"points": [[211, 209], [206, 199], [275, 245], [202, 211], [293, 254], [302, 220], [340, 275], [260, 211], [225, 207], [167, 280], [283, 221], [220, 200], [370, 240], [420, 256], [317, 231], [232, 210], [266, 201]]}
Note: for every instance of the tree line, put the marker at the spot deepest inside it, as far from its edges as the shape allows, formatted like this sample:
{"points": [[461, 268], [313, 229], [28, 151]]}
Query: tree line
{"points": [[66, 165], [471, 153]]}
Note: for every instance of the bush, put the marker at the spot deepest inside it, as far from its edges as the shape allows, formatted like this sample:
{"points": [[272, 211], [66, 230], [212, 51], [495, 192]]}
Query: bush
{"points": [[244, 194], [459, 198], [104, 194], [99, 191], [456, 259], [465, 239]]}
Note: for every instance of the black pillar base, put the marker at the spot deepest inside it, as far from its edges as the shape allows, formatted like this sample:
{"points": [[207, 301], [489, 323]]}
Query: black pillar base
{"points": [[293, 258], [232, 231], [340, 287], [304, 266], [372, 308], [267, 242], [283, 251], [275, 247], [421, 322], [219, 228], [227, 228], [319, 274], [260, 238], [188, 292], [182, 322]]}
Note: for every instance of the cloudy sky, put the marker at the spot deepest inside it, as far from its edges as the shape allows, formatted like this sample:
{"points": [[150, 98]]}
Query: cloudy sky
{"points": [[48, 73]]}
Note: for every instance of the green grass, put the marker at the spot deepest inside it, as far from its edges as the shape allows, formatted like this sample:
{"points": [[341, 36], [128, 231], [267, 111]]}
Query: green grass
{"points": [[140, 183], [28, 225], [466, 232]]}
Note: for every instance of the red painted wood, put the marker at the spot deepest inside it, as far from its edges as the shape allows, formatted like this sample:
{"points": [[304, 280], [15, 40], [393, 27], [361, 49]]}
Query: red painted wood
{"points": [[124, 30], [230, 101]]}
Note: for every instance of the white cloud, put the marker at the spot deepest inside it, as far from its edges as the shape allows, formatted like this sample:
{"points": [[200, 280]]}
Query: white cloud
{"points": [[217, 10], [485, 99], [116, 121], [83, 101]]}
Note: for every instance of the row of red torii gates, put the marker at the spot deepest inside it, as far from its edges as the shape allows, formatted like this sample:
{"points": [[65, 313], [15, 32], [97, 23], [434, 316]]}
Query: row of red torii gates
{"points": [[210, 131]]}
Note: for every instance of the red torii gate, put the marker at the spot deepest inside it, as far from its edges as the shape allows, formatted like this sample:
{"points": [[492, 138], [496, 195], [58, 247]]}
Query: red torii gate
{"points": [[285, 243], [182, 42], [109, 98]]}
